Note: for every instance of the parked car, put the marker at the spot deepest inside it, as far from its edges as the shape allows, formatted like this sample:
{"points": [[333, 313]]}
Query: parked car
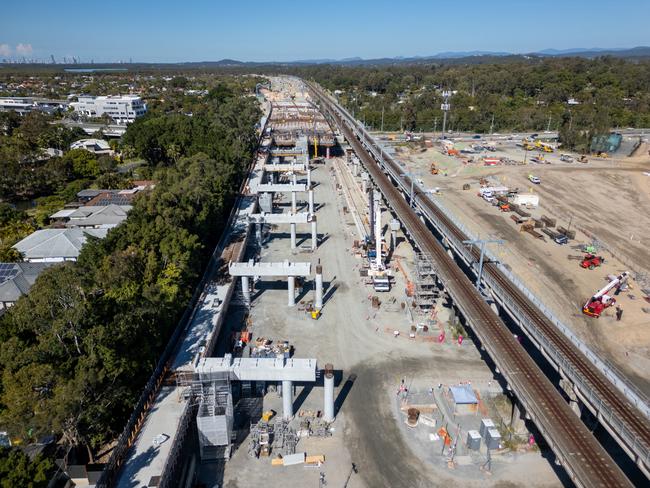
{"points": [[566, 158], [534, 179], [561, 239]]}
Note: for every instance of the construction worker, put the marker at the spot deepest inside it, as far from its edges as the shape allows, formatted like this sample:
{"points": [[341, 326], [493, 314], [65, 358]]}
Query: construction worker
{"points": [[619, 313]]}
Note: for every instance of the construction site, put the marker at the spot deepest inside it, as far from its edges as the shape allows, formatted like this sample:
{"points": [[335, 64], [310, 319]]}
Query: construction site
{"points": [[363, 323], [602, 207]]}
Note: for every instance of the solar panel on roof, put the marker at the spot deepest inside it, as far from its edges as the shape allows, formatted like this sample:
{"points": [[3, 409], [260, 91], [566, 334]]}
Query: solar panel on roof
{"points": [[8, 271]]}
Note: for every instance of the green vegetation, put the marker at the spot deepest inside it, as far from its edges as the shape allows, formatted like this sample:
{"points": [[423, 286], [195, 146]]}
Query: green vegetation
{"points": [[14, 226], [77, 350], [16, 469], [529, 95]]}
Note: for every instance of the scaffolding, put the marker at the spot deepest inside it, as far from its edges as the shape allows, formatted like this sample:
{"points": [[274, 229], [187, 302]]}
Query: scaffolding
{"points": [[214, 418], [426, 290]]}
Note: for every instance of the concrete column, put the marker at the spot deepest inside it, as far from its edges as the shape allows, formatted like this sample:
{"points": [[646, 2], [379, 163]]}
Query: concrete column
{"points": [[327, 152], [287, 399], [292, 291], [314, 233], [378, 260], [246, 289], [516, 418], [364, 186], [258, 233], [328, 405], [294, 205], [293, 235], [394, 227], [308, 177], [294, 179], [311, 201], [371, 210], [318, 300]]}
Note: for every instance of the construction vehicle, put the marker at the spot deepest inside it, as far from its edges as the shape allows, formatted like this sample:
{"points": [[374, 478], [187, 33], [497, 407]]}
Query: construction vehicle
{"points": [[315, 314], [434, 169], [543, 147], [583, 159], [602, 300], [504, 206], [592, 261]]}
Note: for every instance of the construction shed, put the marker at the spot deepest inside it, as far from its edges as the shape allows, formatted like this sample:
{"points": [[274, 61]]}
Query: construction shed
{"points": [[465, 401]]}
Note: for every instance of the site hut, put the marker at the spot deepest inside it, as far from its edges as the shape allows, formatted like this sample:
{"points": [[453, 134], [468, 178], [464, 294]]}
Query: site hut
{"points": [[465, 401], [473, 440]]}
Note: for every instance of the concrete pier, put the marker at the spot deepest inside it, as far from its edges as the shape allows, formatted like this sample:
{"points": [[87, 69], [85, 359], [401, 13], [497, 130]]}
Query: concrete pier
{"points": [[291, 301], [246, 289], [287, 399], [293, 235], [314, 233], [311, 201], [328, 394], [318, 300]]}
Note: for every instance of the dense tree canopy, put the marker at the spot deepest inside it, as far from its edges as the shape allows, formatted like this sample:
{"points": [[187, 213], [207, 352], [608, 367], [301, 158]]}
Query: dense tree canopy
{"points": [[76, 351], [499, 96], [16, 469]]}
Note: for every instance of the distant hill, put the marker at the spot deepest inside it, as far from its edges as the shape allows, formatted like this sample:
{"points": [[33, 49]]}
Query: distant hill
{"points": [[448, 57]]}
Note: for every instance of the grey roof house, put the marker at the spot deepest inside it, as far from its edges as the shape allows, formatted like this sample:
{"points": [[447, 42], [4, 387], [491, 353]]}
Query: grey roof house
{"points": [[56, 245], [16, 279], [93, 216]]}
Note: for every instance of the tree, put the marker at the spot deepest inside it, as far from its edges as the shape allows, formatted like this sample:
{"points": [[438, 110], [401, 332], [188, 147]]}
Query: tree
{"points": [[17, 470], [84, 163]]}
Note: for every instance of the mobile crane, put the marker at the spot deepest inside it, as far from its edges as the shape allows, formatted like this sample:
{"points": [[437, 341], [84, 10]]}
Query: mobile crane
{"points": [[601, 300]]}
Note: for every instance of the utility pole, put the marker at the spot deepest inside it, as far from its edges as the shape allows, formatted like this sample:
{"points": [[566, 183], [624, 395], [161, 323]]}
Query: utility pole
{"points": [[482, 243], [445, 108], [412, 178], [492, 125], [548, 127], [435, 126], [382, 118]]}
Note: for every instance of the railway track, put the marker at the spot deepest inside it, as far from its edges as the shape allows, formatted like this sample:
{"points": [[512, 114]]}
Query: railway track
{"points": [[584, 459]]}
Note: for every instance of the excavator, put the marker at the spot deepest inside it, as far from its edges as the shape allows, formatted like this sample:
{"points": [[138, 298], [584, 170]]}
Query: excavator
{"points": [[601, 300]]}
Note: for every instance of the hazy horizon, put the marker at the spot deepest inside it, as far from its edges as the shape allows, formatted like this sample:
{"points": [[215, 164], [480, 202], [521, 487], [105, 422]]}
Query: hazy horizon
{"points": [[167, 31]]}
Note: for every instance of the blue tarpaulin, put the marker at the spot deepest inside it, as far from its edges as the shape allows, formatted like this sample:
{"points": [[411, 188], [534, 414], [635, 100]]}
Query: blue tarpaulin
{"points": [[463, 394]]}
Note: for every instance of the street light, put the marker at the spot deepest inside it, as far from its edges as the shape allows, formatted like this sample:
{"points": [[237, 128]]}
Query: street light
{"points": [[482, 243], [411, 177]]}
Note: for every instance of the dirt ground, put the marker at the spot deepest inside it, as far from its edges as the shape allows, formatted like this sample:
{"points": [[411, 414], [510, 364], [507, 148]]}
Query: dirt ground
{"points": [[607, 201], [359, 341]]}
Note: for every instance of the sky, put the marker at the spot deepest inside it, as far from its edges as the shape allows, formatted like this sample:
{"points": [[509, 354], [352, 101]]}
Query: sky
{"points": [[287, 30]]}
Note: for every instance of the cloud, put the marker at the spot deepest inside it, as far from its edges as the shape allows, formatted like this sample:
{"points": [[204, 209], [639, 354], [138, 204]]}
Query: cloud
{"points": [[24, 49], [5, 50]]}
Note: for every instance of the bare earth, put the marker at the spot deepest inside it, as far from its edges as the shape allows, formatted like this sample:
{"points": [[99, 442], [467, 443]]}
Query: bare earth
{"points": [[607, 200]]}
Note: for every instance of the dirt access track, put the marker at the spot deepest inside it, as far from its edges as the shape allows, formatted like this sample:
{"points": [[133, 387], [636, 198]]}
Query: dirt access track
{"points": [[605, 200]]}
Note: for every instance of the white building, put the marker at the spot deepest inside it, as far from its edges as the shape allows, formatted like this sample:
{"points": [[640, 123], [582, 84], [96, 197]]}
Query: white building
{"points": [[21, 105], [97, 146], [123, 109]]}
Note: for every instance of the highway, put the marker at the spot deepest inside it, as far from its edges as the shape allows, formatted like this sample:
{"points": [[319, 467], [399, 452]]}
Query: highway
{"points": [[582, 456]]}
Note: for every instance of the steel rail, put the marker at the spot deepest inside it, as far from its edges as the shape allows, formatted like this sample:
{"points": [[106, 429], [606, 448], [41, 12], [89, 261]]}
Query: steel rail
{"points": [[584, 459], [621, 407]]}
